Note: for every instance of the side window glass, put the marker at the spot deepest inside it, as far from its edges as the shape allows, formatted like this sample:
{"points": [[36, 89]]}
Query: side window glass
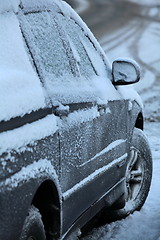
{"points": [[89, 60], [42, 36], [52, 55], [84, 63]]}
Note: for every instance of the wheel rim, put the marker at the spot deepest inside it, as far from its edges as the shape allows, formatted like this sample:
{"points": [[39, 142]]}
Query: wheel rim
{"points": [[134, 175]]}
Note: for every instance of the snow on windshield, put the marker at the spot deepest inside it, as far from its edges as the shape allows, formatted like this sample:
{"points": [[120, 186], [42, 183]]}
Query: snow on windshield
{"points": [[20, 90]]}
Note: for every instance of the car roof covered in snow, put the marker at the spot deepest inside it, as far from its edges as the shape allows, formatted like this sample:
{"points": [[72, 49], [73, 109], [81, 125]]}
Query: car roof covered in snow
{"points": [[9, 5], [13, 5]]}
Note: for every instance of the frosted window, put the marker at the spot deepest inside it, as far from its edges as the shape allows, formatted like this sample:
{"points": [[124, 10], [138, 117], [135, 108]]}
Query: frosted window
{"points": [[75, 33], [90, 62], [42, 35]]}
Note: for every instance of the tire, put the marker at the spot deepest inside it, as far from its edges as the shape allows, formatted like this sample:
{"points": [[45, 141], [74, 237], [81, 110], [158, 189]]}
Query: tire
{"points": [[138, 176], [33, 228]]}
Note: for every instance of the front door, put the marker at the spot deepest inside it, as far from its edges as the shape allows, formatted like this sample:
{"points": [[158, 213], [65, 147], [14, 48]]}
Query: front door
{"points": [[93, 132]]}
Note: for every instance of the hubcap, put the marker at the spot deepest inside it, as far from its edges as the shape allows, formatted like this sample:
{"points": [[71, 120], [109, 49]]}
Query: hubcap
{"points": [[134, 175]]}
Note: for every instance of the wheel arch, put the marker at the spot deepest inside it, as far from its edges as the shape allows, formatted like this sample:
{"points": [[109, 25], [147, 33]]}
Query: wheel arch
{"points": [[47, 200], [139, 123]]}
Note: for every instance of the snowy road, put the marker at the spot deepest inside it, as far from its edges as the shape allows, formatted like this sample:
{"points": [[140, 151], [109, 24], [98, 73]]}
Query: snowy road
{"points": [[138, 38]]}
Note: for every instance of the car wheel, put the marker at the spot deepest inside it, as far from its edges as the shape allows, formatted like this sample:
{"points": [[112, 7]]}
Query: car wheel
{"points": [[138, 176], [33, 228]]}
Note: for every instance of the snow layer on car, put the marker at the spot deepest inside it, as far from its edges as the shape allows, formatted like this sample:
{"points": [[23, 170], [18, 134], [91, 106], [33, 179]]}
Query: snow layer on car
{"points": [[20, 137], [128, 92], [78, 117], [103, 85], [9, 5], [30, 5], [41, 168], [20, 90]]}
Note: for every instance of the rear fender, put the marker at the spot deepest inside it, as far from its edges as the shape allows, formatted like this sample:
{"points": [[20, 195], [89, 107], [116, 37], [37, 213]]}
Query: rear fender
{"points": [[22, 189]]}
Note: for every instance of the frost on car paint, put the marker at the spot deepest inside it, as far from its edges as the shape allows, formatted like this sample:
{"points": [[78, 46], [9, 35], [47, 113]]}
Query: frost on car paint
{"points": [[9, 5], [110, 147], [88, 179]]}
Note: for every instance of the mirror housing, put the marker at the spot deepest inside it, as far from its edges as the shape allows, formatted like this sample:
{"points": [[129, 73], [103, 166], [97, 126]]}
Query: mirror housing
{"points": [[125, 71]]}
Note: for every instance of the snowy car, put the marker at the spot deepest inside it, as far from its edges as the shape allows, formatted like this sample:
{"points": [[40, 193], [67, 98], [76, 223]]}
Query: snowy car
{"points": [[71, 131]]}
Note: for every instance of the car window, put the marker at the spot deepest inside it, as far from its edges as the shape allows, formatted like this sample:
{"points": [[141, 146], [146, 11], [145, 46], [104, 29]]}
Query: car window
{"points": [[89, 60], [43, 38], [75, 33]]}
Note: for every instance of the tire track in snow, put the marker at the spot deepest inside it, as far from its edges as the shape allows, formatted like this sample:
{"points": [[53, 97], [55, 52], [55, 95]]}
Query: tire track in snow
{"points": [[120, 39], [113, 38]]}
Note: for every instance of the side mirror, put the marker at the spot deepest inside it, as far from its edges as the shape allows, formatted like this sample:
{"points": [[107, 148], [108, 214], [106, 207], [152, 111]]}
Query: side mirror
{"points": [[125, 71]]}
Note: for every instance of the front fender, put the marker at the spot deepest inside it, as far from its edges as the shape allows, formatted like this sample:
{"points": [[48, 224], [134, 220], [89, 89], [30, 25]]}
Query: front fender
{"points": [[135, 108], [135, 118]]}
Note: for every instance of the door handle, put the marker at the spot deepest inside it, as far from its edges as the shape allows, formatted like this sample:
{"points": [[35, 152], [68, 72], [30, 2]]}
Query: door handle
{"points": [[62, 111], [103, 108]]}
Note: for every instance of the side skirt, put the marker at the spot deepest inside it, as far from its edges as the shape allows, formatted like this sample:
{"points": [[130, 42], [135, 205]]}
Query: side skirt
{"points": [[105, 201]]}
